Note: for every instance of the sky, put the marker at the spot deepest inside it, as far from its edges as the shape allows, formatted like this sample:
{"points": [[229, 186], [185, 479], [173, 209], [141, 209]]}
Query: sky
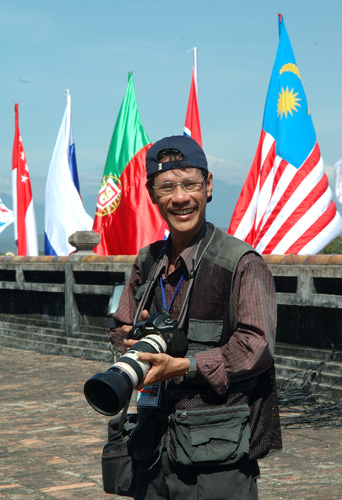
{"points": [[90, 46]]}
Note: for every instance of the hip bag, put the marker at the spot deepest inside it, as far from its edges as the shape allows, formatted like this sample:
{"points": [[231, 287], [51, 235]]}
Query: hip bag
{"points": [[217, 436], [118, 469]]}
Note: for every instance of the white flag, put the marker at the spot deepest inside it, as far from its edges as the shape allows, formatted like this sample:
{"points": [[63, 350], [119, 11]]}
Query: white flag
{"points": [[338, 180], [64, 211]]}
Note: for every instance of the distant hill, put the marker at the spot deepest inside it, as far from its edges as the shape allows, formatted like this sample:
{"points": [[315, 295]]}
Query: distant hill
{"points": [[219, 211], [221, 208]]}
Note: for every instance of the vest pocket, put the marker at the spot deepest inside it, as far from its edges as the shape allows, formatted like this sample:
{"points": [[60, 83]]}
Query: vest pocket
{"points": [[210, 436], [202, 334]]}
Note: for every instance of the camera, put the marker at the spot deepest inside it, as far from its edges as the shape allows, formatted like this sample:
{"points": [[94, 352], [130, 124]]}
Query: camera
{"points": [[108, 392]]}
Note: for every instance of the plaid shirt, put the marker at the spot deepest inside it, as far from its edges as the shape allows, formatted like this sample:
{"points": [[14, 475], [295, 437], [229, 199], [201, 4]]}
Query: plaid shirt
{"points": [[250, 349]]}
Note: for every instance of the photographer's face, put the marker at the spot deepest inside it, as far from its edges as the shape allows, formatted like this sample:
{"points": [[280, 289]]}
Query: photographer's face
{"points": [[183, 212]]}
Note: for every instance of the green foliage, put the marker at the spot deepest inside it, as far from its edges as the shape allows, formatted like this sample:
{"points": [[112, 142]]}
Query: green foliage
{"points": [[335, 247]]}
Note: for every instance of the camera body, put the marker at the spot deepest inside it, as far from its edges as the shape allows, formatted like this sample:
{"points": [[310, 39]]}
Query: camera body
{"points": [[162, 323], [109, 392]]}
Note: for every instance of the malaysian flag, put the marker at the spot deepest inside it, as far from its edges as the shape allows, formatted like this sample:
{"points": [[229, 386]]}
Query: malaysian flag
{"points": [[285, 206], [192, 126]]}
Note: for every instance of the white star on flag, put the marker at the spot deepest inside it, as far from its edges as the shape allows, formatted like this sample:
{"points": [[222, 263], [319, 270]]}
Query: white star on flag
{"points": [[25, 220]]}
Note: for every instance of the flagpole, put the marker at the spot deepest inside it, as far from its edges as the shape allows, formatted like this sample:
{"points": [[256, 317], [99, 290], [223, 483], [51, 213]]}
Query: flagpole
{"points": [[68, 120], [192, 126], [194, 50], [195, 68]]}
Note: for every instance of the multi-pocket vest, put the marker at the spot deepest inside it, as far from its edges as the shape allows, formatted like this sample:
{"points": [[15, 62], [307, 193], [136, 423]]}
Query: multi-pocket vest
{"points": [[208, 322]]}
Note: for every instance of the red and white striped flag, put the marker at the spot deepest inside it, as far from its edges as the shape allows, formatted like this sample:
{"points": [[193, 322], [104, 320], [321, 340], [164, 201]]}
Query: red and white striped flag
{"points": [[25, 220], [285, 206], [192, 126]]}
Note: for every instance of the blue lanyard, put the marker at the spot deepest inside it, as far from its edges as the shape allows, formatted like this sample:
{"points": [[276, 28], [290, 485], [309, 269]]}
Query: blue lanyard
{"points": [[175, 293]]}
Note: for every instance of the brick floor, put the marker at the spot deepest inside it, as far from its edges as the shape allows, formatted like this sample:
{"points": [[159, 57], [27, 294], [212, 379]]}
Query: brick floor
{"points": [[51, 439]]}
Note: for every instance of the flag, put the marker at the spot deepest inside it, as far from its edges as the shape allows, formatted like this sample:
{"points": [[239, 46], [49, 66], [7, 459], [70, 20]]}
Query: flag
{"points": [[338, 180], [285, 206], [192, 126], [126, 219], [25, 229], [64, 211], [6, 216]]}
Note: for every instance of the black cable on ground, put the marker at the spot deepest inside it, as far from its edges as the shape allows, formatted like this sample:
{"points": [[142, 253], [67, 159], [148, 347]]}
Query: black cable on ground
{"points": [[304, 402]]}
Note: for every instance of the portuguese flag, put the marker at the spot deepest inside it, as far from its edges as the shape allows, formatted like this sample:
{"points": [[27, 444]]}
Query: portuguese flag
{"points": [[125, 217]]}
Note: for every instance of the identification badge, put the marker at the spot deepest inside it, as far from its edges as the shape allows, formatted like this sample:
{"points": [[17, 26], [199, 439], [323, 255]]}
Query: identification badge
{"points": [[149, 396]]}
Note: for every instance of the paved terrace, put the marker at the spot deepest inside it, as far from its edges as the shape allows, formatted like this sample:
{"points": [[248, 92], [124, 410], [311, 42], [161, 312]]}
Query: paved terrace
{"points": [[51, 439]]}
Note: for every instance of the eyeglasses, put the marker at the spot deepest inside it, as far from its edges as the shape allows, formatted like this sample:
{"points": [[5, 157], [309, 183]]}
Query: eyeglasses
{"points": [[189, 186]]}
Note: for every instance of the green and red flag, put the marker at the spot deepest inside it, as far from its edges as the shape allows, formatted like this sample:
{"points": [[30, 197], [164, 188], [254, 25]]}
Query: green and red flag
{"points": [[125, 218]]}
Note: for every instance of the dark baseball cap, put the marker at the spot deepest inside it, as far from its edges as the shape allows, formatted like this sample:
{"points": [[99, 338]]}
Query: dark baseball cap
{"points": [[193, 154]]}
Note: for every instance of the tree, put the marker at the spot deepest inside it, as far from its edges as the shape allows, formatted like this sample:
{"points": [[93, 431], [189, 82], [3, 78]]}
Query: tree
{"points": [[335, 247]]}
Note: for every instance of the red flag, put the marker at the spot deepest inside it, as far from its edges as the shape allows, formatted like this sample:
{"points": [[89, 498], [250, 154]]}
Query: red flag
{"points": [[192, 126], [25, 220], [285, 206], [125, 217]]}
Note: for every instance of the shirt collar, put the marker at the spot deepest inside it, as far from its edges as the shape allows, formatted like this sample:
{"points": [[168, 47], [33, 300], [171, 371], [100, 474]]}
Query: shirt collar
{"points": [[187, 256]]}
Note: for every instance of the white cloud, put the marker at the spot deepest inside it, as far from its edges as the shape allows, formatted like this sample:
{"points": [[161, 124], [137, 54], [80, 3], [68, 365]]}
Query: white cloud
{"points": [[229, 171], [6, 185], [330, 171]]}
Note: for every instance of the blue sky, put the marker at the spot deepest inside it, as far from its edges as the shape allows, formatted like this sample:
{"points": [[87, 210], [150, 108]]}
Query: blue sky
{"points": [[89, 47]]}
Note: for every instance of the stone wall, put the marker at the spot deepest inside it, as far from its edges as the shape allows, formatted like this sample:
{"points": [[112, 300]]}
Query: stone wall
{"points": [[65, 301], [309, 298]]}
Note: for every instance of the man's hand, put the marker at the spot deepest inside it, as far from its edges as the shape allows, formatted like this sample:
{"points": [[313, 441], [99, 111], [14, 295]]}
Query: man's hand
{"points": [[127, 328], [163, 367]]}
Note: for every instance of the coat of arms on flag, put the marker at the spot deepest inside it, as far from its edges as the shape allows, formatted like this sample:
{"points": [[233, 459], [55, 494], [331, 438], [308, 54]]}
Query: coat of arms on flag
{"points": [[125, 217], [109, 195]]}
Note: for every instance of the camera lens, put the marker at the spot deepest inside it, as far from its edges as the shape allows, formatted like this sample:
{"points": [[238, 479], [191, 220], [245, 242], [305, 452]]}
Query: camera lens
{"points": [[108, 392], [100, 395]]}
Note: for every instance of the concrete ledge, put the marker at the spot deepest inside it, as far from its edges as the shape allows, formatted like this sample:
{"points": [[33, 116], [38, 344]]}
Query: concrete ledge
{"points": [[129, 259], [312, 260], [75, 293]]}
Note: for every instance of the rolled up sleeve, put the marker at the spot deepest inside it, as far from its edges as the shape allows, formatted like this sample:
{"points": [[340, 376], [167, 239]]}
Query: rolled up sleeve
{"points": [[250, 349]]}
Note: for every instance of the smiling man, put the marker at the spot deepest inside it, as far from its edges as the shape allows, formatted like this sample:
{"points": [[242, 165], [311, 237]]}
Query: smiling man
{"points": [[216, 413]]}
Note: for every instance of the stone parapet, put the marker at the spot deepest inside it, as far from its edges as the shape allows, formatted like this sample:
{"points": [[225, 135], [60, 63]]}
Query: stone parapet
{"points": [[72, 298]]}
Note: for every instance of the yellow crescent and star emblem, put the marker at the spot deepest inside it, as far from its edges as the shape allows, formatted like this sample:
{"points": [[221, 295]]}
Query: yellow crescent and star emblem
{"points": [[288, 100], [109, 195]]}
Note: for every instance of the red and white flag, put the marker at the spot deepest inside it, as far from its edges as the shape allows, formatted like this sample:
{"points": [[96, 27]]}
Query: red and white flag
{"points": [[192, 126], [25, 228]]}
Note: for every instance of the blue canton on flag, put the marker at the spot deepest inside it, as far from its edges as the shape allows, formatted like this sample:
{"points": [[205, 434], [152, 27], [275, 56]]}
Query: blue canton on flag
{"points": [[286, 116]]}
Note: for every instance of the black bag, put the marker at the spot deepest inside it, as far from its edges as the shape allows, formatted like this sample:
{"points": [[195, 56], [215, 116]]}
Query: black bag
{"points": [[118, 471], [213, 437]]}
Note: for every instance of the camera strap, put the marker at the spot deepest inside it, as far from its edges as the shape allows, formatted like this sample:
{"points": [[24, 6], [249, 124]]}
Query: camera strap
{"points": [[197, 260], [150, 283]]}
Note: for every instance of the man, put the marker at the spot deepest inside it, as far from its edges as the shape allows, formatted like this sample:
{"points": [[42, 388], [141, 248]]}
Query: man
{"points": [[218, 409]]}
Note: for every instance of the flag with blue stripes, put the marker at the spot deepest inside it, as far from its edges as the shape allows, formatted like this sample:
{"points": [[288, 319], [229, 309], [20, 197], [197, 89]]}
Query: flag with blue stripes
{"points": [[64, 211]]}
